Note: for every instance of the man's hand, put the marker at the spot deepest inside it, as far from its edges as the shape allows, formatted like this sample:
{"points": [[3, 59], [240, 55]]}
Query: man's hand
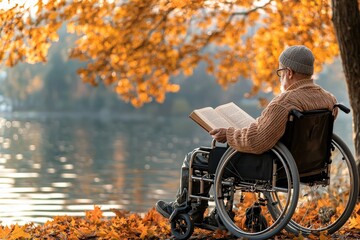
{"points": [[219, 134]]}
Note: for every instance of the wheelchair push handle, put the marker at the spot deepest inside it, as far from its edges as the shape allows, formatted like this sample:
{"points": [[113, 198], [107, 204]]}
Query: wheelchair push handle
{"points": [[296, 113], [342, 107]]}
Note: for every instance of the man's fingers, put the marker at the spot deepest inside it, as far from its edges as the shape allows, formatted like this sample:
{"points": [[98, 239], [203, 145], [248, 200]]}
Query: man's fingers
{"points": [[214, 131]]}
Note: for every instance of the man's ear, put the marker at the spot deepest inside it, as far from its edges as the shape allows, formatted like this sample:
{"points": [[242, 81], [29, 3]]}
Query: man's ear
{"points": [[291, 73]]}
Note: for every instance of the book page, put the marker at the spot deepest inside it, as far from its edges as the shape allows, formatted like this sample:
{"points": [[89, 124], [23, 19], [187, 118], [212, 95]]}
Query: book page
{"points": [[209, 119], [235, 115]]}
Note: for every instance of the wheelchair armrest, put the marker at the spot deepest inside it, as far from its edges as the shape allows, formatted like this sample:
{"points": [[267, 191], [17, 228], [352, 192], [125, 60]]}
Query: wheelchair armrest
{"points": [[208, 149], [213, 145]]}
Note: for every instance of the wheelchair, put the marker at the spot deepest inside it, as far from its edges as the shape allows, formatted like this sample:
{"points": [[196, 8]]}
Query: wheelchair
{"points": [[307, 183]]}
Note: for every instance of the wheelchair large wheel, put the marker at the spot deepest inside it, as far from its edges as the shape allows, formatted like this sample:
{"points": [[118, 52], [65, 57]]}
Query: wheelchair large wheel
{"points": [[182, 227], [328, 207], [243, 206]]}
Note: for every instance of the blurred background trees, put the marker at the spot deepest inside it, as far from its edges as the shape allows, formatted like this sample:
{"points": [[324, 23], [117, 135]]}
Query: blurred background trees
{"points": [[136, 46]]}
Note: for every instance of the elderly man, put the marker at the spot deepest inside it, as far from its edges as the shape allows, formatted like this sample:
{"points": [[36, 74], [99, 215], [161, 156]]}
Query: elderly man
{"points": [[298, 91]]}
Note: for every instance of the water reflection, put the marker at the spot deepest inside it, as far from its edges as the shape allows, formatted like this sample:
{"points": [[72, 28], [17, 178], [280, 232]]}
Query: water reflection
{"points": [[57, 165], [65, 164]]}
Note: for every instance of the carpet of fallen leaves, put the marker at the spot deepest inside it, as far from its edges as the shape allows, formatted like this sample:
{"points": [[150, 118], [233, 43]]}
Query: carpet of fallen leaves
{"points": [[127, 225]]}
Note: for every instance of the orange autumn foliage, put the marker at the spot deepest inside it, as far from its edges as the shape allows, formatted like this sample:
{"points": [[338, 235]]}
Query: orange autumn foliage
{"points": [[126, 225], [136, 46]]}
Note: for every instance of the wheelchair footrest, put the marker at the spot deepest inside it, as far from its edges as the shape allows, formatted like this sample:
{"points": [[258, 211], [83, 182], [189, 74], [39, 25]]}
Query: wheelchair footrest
{"points": [[183, 208]]}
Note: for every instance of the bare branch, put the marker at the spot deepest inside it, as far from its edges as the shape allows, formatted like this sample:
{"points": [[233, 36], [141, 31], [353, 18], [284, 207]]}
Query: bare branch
{"points": [[245, 13]]}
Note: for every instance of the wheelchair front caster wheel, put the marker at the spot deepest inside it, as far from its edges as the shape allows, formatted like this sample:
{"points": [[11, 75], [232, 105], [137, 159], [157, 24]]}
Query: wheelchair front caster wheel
{"points": [[182, 226]]}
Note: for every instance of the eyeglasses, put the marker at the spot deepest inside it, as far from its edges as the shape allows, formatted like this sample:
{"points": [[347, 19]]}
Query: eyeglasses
{"points": [[279, 70]]}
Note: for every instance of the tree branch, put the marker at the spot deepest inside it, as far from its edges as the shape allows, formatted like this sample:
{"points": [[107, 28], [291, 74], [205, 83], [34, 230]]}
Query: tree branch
{"points": [[245, 13], [163, 19]]}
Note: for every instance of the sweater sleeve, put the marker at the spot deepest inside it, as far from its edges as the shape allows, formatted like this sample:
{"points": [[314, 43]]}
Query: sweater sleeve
{"points": [[261, 135]]}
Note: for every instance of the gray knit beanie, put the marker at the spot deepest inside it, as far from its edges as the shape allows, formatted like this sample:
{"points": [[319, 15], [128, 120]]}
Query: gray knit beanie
{"points": [[298, 58]]}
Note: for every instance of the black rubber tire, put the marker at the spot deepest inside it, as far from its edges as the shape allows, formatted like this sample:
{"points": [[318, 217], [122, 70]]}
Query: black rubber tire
{"points": [[182, 226], [293, 190]]}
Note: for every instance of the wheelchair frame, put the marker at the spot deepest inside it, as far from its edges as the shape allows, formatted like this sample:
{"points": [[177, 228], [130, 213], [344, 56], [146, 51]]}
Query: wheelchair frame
{"points": [[182, 225]]}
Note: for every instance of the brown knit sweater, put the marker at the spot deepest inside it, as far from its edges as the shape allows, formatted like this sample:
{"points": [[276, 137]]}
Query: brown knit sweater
{"points": [[266, 131]]}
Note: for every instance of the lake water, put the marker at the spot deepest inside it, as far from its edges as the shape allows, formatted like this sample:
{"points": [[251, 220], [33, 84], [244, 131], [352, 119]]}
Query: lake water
{"points": [[64, 164]]}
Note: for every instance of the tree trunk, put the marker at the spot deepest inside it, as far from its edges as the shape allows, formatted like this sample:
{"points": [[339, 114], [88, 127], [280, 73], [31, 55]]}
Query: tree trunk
{"points": [[346, 20]]}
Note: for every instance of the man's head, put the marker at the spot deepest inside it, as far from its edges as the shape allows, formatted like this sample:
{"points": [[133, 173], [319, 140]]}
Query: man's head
{"points": [[298, 58], [296, 62]]}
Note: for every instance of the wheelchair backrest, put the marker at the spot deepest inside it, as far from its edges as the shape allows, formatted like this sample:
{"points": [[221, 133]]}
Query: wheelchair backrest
{"points": [[308, 137]]}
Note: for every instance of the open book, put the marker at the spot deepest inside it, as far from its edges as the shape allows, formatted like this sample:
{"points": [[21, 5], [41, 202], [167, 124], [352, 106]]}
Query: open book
{"points": [[223, 116]]}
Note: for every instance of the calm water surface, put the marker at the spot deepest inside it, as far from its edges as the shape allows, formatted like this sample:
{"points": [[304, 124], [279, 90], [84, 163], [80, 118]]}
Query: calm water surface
{"points": [[64, 164], [58, 164]]}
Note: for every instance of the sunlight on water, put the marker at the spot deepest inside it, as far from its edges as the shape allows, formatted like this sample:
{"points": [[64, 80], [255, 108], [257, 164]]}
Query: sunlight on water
{"points": [[65, 166]]}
